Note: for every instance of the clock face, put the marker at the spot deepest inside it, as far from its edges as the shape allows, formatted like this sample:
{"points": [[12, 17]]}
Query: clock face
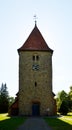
{"points": [[35, 67]]}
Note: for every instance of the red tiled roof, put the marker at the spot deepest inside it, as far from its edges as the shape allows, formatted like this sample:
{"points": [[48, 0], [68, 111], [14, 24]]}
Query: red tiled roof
{"points": [[35, 41]]}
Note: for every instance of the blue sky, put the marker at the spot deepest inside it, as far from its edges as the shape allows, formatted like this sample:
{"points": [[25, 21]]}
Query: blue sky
{"points": [[54, 20]]}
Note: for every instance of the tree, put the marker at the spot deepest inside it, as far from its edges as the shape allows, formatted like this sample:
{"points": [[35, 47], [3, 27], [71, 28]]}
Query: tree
{"points": [[64, 100], [64, 108], [4, 102], [70, 93], [11, 101], [70, 99], [61, 96]]}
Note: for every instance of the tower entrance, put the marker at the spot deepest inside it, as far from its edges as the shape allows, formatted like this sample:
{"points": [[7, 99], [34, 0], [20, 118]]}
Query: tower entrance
{"points": [[36, 109]]}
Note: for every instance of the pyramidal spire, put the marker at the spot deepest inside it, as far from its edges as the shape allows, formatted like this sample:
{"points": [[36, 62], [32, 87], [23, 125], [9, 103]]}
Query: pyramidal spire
{"points": [[35, 41]]}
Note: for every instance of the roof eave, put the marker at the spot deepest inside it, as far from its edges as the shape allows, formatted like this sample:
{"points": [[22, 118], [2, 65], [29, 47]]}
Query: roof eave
{"points": [[22, 50]]}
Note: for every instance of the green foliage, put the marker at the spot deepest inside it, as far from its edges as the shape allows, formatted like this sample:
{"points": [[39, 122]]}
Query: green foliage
{"points": [[64, 108], [3, 90], [70, 99], [61, 96], [11, 100], [70, 93], [5, 100], [4, 103], [70, 105], [64, 101]]}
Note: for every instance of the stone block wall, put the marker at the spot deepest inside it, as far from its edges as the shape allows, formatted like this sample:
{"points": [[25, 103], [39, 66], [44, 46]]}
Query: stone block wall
{"points": [[35, 85]]}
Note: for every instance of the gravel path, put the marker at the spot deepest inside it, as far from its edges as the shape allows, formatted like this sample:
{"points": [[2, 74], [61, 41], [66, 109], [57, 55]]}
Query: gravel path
{"points": [[34, 124]]}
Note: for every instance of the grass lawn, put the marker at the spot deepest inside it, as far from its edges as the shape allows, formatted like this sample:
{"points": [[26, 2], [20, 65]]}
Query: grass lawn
{"points": [[60, 123], [10, 123]]}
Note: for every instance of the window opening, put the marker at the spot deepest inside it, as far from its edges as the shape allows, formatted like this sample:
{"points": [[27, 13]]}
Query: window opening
{"points": [[37, 57], [33, 58], [35, 84]]}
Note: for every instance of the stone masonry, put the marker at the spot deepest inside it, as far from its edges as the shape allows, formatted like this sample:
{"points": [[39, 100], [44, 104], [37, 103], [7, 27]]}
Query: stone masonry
{"points": [[35, 86]]}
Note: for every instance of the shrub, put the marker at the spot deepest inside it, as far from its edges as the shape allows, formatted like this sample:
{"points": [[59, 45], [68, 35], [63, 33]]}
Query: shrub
{"points": [[64, 108]]}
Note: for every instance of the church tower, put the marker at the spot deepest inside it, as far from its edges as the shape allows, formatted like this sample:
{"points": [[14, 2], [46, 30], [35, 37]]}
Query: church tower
{"points": [[35, 76]]}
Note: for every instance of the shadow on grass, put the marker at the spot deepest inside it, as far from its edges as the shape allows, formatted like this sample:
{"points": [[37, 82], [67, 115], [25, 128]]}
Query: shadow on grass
{"points": [[57, 124], [12, 123]]}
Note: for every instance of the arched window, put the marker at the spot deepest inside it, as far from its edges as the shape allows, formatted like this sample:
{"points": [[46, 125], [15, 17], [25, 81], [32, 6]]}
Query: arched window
{"points": [[35, 57]]}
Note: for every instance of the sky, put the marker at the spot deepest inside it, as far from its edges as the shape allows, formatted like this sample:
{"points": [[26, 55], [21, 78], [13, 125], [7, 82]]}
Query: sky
{"points": [[54, 20]]}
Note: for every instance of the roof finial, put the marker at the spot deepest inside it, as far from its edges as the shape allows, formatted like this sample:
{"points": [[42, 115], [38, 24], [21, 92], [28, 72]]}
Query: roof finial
{"points": [[35, 18]]}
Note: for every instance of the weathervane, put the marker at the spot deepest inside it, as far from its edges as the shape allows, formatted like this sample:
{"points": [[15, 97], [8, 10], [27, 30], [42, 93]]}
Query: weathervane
{"points": [[35, 18]]}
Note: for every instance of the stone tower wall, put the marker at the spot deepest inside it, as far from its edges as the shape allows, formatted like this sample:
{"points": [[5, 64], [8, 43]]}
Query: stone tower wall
{"points": [[35, 85]]}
